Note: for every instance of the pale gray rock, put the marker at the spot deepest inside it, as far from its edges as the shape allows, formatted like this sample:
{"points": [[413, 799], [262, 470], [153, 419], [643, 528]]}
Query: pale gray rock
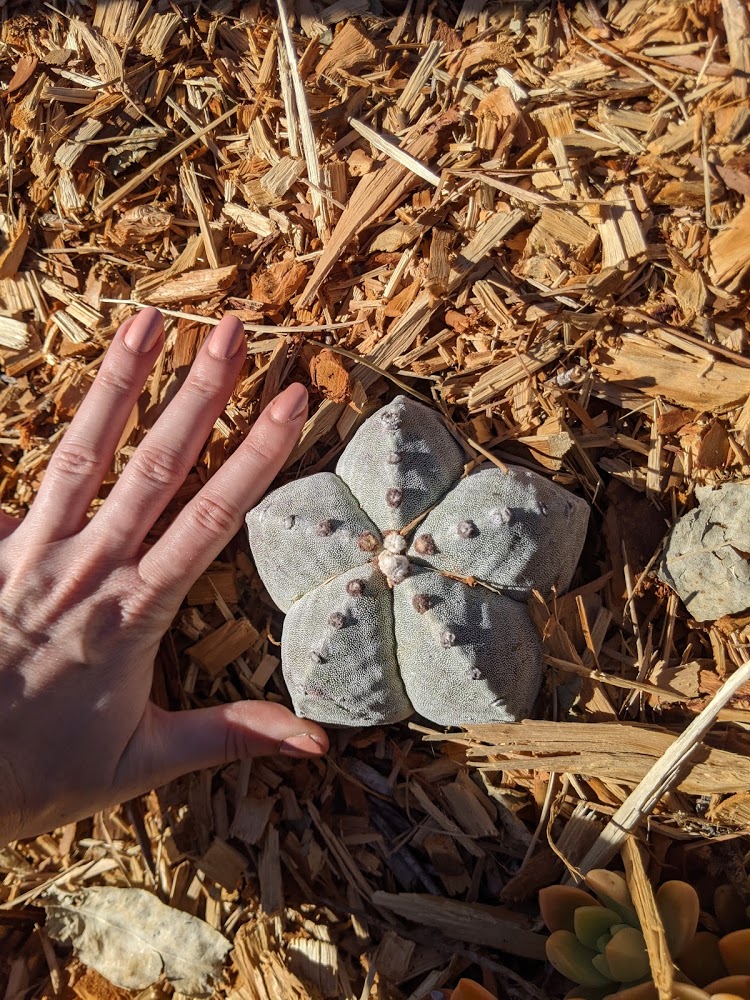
{"points": [[365, 564], [707, 555]]}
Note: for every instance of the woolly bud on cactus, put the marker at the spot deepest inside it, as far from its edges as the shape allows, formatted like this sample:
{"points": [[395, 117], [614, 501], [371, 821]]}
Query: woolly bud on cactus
{"points": [[370, 564]]}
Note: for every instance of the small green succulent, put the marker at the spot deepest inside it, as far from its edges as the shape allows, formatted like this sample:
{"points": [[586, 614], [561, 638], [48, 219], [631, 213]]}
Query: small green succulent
{"points": [[598, 944]]}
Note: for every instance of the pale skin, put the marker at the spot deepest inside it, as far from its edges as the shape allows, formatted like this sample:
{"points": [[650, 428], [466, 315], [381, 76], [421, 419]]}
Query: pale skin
{"points": [[84, 602]]}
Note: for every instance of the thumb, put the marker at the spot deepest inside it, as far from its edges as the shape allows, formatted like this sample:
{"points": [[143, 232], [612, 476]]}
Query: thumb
{"points": [[167, 745]]}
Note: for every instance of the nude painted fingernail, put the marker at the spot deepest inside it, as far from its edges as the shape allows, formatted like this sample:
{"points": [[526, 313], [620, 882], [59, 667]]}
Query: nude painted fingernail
{"points": [[303, 745], [144, 331], [226, 339], [290, 404]]}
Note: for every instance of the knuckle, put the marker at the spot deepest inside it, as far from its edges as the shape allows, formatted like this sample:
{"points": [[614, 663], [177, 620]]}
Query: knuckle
{"points": [[215, 515], [201, 385], [114, 382], [260, 450], [74, 460], [160, 466]]}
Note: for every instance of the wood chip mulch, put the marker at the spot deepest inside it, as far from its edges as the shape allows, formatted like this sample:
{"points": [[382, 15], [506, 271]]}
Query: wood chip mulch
{"points": [[534, 215]]}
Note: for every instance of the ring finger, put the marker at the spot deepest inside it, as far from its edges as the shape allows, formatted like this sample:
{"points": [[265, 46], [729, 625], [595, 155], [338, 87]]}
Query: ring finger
{"points": [[164, 458]]}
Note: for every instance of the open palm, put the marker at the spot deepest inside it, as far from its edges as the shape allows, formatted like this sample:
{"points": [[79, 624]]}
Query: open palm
{"points": [[84, 603]]}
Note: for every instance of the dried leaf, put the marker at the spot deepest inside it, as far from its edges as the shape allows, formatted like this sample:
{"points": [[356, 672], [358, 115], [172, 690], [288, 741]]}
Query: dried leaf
{"points": [[133, 939]]}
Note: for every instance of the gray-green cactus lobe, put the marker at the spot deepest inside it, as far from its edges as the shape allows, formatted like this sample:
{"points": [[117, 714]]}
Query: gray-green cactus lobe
{"points": [[472, 655], [389, 572], [306, 533], [400, 462], [525, 532], [340, 666]]}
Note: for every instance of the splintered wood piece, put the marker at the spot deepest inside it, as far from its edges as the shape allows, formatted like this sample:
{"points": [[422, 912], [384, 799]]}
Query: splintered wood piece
{"points": [[251, 818], [623, 752], [447, 862], [220, 580], [269, 874], [12, 254], [391, 149], [729, 251], [351, 48], [737, 27], [193, 286], [664, 775], [393, 958], [376, 195], [278, 283], [254, 222], [315, 962], [14, 333], [223, 863], [480, 924], [620, 231], [505, 374], [638, 363], [230, 640], [660, 960]]}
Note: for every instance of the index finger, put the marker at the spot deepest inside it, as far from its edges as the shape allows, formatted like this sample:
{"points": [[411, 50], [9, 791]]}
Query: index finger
{"points": [[214, 516]]}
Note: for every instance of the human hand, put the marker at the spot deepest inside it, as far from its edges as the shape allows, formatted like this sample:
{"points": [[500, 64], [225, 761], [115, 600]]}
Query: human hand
{"points": [[84, 603]]}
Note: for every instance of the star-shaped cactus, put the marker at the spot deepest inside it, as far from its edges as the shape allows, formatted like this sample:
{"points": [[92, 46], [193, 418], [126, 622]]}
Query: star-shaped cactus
{"points": [[404, 581]]}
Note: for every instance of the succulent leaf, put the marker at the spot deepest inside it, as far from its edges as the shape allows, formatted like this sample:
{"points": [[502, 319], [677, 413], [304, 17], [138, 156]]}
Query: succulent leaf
{"points": [[574, 960], [467, 989], [648, 991], [558, 904], [643, 991], [701, 960], [587, 993], [627, 956], [472, 655], [738, 986], [679, 909], [729, 907], [612, 890], [735, 950], [525, 533], [407, 448], [600, 963], [304, 533], [344, 676], [592, 923]]}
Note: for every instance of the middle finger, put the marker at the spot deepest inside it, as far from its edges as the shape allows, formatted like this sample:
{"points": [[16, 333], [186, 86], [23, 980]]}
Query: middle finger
{"points": [[169, 450]]}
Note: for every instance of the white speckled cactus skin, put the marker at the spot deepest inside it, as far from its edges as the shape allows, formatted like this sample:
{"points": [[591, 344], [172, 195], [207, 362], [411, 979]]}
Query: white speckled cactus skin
{"points": [[365, 563]]}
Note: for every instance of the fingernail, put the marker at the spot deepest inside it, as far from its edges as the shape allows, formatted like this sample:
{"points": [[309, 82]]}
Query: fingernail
{"points": [[290, 404], [226, 339], [144, 331], [303, 745]]}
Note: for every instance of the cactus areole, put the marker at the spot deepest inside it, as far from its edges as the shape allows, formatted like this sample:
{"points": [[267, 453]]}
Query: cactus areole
{"points": [[405, 582]]}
